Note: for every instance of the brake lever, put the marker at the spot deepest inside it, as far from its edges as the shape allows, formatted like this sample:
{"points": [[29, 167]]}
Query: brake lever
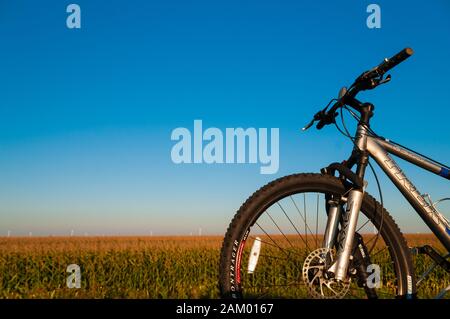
{"points": [[385, 80], [317, 117], [308, 125]]}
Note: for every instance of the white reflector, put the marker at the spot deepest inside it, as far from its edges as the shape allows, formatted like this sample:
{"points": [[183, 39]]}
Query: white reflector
{"points": [[254, 255]]}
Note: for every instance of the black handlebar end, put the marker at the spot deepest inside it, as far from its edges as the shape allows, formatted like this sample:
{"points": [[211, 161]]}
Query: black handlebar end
{"points": [[409, 51], [395, 60]]}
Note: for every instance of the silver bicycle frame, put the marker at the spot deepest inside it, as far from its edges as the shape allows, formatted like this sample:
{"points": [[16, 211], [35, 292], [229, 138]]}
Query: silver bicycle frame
{"points": [[379, 149]]}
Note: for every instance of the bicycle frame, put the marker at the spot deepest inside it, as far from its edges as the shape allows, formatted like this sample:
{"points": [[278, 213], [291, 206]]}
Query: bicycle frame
{"points": [[380, 149]]}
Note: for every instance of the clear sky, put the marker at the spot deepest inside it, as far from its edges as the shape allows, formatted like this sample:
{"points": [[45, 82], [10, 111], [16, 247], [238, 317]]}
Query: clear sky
{"points": [[86, 115]]}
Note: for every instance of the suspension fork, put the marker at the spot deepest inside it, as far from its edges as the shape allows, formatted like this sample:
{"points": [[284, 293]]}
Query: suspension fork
{"points": [[344, 238], [350, 216], [347, 234]]}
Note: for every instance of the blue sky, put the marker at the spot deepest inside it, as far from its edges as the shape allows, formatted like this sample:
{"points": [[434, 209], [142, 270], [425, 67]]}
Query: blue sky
{"points": [[86, 115]]}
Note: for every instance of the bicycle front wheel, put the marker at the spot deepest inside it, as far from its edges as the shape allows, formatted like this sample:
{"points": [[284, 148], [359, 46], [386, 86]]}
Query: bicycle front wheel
{"points": [[273, 246]]}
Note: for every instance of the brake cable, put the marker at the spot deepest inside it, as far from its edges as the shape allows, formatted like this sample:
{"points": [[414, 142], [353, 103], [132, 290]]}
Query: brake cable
{"points": [[391, 141]]}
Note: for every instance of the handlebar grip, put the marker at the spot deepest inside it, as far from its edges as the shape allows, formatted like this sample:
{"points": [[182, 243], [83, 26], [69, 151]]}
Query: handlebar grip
{"points": [[395, 60]]}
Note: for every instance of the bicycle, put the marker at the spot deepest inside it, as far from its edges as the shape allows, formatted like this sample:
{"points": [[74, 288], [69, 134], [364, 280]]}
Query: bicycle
{"points": [[286, 258]]}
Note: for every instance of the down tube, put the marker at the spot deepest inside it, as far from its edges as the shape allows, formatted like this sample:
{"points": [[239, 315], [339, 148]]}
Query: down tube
{"points": [[426, 212]]}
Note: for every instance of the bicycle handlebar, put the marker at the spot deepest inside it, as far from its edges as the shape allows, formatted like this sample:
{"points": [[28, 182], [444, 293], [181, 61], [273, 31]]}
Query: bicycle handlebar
{"points": [[366, 81]]}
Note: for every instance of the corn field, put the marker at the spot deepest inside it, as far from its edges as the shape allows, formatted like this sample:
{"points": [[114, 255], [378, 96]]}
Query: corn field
{"points": [[135, 267]]}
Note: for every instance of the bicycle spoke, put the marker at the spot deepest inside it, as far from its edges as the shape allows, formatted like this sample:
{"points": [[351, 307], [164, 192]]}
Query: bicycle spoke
{"points": [[270, 238], [292, 283], [317, 221], [304, 207], [301, 215], [267, 212], [378, 252], [292, 224], [371, 239], [272, 286], [351, 292], [363, 225], [273, 257], [287, 253]]}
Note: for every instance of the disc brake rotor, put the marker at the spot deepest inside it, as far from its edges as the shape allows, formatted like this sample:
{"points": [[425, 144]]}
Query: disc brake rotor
{"points": [[315, 277]]}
